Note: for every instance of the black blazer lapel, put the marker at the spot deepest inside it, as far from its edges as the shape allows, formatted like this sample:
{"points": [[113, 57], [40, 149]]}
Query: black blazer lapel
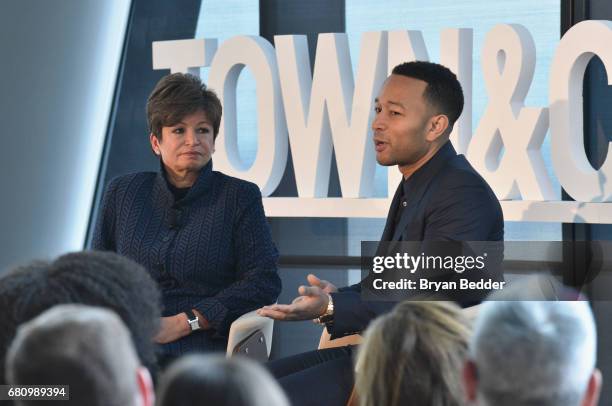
{"points": [[407, 216], [414, 210], [419, 186], [388, 231]]}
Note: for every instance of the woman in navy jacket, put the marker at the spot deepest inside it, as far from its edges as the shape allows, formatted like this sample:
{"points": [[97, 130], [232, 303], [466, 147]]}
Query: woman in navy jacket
{"points": [[201, 234]]}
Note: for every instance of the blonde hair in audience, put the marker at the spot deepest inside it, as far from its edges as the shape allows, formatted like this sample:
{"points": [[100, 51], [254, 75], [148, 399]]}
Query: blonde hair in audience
{"points": [[414, 355]]}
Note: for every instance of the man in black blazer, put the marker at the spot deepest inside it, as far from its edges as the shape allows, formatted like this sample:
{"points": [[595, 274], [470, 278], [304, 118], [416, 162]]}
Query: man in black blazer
{"points": [[441, 198]]}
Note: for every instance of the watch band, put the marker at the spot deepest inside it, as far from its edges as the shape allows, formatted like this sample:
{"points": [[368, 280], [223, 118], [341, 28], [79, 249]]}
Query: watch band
{"points": [[328, 316], [193, 320]]}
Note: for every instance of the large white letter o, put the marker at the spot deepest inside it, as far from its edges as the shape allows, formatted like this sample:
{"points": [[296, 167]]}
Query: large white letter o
{"points": [[231, 57]]}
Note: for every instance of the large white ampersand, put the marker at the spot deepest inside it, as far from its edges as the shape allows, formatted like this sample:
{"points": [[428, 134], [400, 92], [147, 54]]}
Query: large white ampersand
{"points": [[508, 63]]}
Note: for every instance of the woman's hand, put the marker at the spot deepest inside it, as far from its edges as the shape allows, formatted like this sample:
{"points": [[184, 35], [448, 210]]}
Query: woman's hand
{"points": [[172, 328]]}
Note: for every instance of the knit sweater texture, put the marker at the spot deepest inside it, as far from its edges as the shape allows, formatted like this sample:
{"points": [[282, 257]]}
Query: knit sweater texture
{"points": [[211, 250]]}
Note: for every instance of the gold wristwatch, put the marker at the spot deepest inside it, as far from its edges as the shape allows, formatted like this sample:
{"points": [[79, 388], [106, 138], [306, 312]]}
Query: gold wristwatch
{"points": [[328, 316]]}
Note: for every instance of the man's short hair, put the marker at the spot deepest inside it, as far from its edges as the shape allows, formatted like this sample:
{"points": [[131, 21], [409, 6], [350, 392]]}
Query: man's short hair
{"points": [[533, 353], [443, 92], [87, 348], [178, 95], [94, 278]]}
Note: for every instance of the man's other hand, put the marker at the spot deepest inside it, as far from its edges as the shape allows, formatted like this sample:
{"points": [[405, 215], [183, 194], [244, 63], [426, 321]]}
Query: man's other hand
{"points": [[310, 304]]}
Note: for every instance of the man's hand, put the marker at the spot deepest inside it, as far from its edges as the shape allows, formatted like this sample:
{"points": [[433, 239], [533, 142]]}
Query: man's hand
{"points": [[311, 303], [172, 328]]}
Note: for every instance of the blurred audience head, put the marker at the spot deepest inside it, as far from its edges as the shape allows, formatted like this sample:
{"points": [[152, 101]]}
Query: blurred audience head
{"points": [[93, 278], [86, 348], [214, 380], [413, 356], [528, 353]]}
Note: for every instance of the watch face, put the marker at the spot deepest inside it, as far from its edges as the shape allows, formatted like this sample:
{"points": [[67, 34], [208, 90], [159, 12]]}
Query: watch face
{"points": [[194, 324]]}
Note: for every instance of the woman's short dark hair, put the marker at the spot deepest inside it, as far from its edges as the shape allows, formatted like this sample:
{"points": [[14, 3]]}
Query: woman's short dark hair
{"points": [[216, 380], [94, 278], [178, 95], [443, 91]]}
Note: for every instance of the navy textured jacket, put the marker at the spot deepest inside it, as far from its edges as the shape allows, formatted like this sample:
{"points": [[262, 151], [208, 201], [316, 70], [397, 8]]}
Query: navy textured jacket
{"points": [[444, 200], [211, 250]]}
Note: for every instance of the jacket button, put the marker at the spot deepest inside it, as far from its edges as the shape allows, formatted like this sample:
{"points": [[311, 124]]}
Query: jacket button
{"points": [[165, 239], [404, 204]]}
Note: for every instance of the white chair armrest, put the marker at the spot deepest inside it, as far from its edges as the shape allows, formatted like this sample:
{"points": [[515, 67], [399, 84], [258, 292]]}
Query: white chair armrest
{"points": [[246, 325]]}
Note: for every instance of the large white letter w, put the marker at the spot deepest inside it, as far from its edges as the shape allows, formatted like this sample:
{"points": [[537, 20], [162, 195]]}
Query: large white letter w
{"points": [[328, 112]]}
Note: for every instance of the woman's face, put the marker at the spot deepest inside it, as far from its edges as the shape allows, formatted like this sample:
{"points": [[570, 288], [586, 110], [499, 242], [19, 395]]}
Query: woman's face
{"points": [[186, 147]]}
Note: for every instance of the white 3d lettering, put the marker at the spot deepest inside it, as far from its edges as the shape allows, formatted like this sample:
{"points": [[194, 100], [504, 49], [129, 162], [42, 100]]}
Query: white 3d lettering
{"points": [[315, 114]]}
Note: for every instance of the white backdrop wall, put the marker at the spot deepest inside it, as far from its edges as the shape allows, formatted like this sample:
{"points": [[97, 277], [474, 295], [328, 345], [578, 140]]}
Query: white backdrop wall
{"points": [[58, 68]]}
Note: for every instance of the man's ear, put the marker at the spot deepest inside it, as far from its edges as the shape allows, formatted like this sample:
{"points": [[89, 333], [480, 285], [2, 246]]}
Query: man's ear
{"points": [[591, 397], [470, 380], [146, 393], [437, 127], [154, 144]]}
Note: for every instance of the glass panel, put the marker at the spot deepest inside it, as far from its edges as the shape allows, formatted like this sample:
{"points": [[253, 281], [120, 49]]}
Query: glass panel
{"points": [[540, 18], [213, 23]]}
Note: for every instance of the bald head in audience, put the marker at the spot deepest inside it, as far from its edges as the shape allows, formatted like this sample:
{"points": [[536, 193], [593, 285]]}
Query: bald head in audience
{"points": [[527, 353]]}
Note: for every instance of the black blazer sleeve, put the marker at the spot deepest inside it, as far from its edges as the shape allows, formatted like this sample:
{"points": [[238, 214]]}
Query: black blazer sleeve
{"points": [[257, 281], [104, 231], [352, 315], [463, 208]]}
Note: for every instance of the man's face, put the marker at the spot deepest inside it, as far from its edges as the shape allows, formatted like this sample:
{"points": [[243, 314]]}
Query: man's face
{"points": [[400, 124]]}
